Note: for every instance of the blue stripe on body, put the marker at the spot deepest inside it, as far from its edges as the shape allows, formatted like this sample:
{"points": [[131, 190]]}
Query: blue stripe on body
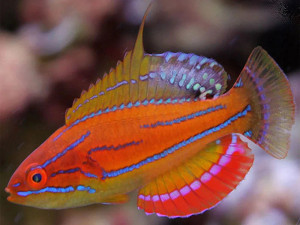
{"points": [[204, 60], [121, 107], [117, 85], [172, 149], [184, 118], [57, 190], [87, 174], [239, 83], [180, 57], [121, 83], [181, 82], [248, 133], [145, 77], [86, 101], [194, 59], [163, 75], [174, 74], [166, 55], [85, 188], [118, 147], [70, 147], [191, 82], [79, 105]]}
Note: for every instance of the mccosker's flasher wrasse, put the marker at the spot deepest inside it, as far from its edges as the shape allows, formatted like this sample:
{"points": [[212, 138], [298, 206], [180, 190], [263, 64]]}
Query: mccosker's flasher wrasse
{"points": [[161, 124]]}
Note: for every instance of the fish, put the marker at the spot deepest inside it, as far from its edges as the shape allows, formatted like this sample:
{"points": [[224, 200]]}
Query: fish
{"points": [[163, 125]]}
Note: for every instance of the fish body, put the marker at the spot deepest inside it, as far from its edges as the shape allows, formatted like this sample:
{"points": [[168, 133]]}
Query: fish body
{"points": [[160, 123]]}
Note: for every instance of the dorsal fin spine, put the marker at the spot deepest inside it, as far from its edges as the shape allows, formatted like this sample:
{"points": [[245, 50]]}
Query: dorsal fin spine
{"points": [[136, 60], [138, 50]]}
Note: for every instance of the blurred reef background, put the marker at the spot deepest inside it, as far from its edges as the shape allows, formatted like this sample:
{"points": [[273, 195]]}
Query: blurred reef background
{"points": [[51, 50]]}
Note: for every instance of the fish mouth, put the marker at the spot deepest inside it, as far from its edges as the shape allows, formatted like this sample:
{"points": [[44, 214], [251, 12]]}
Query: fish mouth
{"points": [[7, 190]]}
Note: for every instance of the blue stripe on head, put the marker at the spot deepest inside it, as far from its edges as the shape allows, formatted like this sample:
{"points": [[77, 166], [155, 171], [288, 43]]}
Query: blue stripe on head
{"points": [[16, 185], [57, 190], [47, 189], [77, 169], [70, 147]]}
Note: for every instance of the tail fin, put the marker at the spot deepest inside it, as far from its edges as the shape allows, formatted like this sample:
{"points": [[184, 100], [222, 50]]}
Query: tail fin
{"points": [[271, 100]]}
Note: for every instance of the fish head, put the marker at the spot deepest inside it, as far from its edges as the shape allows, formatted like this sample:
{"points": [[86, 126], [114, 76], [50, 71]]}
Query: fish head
{"points": [[55, 175], [26, 180]]}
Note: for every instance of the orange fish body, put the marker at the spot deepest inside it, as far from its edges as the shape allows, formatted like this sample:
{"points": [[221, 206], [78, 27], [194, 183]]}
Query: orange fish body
{"points": [[162, 124]]}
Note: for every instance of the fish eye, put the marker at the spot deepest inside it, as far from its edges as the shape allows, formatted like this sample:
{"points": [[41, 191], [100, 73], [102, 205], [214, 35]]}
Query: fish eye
{"points": [[36, 177]]}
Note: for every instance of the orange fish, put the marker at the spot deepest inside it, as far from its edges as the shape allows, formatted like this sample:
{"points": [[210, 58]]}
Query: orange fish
{"points": [[161, 124]]}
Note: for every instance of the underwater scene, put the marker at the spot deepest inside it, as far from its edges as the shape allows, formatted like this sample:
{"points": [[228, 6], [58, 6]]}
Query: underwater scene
{"points": [[150, 112]]}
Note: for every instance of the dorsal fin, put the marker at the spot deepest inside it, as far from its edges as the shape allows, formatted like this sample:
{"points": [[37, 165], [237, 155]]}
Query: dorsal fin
{"points": [[123, 79], [144, 76]]}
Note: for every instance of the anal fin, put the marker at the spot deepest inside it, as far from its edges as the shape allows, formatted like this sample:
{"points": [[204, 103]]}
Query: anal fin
{"points": [[199, 183]]}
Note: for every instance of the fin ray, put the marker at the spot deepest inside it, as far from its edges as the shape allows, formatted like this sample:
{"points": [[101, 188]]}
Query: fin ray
{"points": [[272, 101], [202, 181]]}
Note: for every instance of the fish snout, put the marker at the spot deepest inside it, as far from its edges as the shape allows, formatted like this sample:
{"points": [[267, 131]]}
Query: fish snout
{"points": [[8, 190]]}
